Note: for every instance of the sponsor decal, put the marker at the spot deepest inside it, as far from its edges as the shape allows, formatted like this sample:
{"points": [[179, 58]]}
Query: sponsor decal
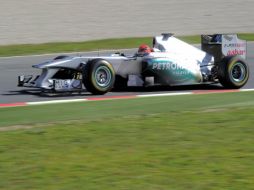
{"points": [[170, 66], [236, 52], [67, 84], [231, 45], [234, 45]]}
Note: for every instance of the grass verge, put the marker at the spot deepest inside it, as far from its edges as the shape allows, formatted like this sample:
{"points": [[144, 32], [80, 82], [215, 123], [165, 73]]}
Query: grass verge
{"points": [[30, 49], [184, 142]]}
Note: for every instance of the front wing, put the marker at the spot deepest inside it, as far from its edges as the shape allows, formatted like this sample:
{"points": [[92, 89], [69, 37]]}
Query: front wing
{"points": [[54, 84]]}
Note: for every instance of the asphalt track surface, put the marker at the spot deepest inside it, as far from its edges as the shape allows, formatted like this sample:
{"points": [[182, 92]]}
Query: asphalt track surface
{"points": [[11, 67], [31, 21]]}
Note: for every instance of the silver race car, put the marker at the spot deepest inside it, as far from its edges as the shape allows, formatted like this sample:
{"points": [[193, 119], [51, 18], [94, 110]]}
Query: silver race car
{"points": [[169, 62]]}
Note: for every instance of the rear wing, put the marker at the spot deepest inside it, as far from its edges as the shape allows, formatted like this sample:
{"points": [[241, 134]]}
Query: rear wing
{"points": [[221, 45]]}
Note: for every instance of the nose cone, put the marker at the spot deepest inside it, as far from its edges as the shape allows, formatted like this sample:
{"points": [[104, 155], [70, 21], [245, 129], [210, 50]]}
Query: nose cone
{"points": [[43, 65], [66, 62], [54, 63]]}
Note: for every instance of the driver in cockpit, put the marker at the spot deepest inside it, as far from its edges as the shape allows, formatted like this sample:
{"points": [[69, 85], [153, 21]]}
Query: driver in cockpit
{"points": [[144, 50]]}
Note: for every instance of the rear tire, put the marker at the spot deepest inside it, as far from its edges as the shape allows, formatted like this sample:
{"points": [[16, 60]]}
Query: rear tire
{"points": [[233, 72], [98, 76]]}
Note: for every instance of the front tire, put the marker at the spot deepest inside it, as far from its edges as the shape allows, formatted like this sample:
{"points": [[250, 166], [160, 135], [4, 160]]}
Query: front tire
{"points": [[233, 72], [98, 76]]}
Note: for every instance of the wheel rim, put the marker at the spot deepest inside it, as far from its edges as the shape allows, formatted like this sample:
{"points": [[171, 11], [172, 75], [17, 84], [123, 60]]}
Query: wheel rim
{"points": [[238, 72], [103, 76]]}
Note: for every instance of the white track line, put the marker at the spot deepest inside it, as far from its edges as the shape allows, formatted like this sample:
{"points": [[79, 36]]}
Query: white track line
{"points": [[55, 101], [164, 94], [247, 90]]}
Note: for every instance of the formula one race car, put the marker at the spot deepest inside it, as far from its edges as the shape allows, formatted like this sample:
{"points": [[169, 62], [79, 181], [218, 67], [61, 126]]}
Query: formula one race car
{"points": [[170, 62]]}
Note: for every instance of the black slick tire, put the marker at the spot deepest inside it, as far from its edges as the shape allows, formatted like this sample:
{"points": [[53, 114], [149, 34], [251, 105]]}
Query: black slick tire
{"points": [[98, 76], [233, 72]]}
